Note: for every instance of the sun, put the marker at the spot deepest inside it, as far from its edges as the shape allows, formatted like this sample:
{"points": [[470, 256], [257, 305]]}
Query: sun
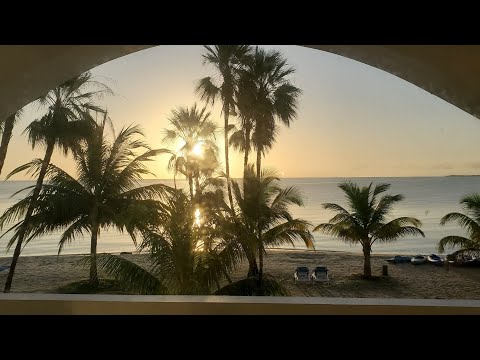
{"points": [[197, 217], [198, 149]]}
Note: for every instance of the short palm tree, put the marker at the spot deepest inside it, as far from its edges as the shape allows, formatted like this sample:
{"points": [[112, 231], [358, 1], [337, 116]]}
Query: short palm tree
{"points": [[264, 219], [178, 264], [104, 195], [198, 153], [227, 60], [470, 222], [6, 128], [365, 222], [67, 122]]}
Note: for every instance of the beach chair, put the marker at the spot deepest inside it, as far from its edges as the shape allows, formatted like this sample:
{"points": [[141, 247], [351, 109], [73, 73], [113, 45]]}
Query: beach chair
{"points": [[319, 274], [301, 275]]}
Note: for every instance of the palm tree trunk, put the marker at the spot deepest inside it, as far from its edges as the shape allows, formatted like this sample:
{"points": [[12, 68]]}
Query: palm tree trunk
{"points": [[198, 191], [190, 184], [6, 136], [28, 215], [247, 151], [260, 263], [260, 260], [259, 163], [367, 268], [245, 164], [252, 267], [227, 161], [93, 255]]}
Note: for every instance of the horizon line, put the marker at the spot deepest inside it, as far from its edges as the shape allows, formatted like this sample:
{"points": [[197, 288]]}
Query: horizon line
{"points": [[306, 177]]}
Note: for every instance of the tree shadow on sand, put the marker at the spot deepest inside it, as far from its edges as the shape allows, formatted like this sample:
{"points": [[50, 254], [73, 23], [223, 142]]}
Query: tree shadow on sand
{"points": [[357, 283]]}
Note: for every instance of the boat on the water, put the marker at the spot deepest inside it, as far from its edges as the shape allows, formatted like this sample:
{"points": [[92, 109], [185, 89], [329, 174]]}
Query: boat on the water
{"points": [[398, 259], [435, 259], [418, 259]]}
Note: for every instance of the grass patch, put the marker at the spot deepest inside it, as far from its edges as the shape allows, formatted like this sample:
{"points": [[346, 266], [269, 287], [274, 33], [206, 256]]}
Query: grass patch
{"points": [[105, 286]]}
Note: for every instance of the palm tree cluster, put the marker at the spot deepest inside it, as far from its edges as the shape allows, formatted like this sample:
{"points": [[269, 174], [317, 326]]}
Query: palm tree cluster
{"points": [[194, 239]]}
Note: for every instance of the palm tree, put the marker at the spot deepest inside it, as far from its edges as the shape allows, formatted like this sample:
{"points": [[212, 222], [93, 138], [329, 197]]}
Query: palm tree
{"points": [[104, 195], [266, 96], [66, 122], [177, 264], [365, 221], [227, 60], [245, 95], [264, 219], [470, 222], [198, 153], [6, 128]]}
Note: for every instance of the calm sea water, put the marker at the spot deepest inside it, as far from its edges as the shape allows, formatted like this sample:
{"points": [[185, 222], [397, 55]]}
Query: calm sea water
{"points": [[426, 198]]}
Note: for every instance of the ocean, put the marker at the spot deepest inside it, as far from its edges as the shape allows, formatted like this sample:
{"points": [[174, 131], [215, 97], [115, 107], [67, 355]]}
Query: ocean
{"points": [[426, 198]]}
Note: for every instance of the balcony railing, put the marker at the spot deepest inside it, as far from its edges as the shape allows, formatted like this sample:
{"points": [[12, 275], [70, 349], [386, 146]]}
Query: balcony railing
{"points": [[62, 304]]}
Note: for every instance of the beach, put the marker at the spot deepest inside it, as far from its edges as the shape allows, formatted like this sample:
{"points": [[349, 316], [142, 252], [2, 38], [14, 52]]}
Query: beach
{"points": [[45, 274]]}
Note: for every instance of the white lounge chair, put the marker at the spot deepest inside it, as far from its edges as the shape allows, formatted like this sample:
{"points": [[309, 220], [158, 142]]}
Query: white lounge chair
{"points": [[301, 275], [319, 274]]}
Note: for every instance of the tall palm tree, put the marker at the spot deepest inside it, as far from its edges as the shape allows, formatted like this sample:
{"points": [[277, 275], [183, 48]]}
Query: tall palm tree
{"points": [[470, 222], [198, 153], [105, 194], [266, 96], [245, 96], [6, 128], [365, 222], [264, 219], [67, 121], [227, 60]]}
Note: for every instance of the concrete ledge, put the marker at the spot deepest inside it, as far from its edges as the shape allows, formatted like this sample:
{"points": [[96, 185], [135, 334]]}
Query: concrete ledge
{"points": [[62, 304]]}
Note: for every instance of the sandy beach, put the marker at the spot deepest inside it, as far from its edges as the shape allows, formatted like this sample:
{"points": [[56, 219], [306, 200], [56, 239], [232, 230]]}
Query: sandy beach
{"points": [[45, 274]]}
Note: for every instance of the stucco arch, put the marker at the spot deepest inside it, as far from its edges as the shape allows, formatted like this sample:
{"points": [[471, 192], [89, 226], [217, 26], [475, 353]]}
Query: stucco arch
{"points": [[450, 72]]}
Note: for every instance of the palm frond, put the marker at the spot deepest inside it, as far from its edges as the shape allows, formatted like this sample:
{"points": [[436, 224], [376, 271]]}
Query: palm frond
{"points": [[456, 241], [78, 228], [32, 168], [464, 221], [130, 276], [207, 91]]}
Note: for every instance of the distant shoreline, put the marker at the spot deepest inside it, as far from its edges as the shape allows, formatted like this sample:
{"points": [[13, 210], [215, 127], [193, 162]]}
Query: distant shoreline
{"points": [[269, 250], [460, 175]]}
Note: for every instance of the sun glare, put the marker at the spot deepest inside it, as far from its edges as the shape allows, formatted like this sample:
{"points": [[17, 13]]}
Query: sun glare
{"points": [[198, 149], [197, 217]]}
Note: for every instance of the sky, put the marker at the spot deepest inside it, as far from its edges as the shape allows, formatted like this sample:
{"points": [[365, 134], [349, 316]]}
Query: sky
{"points": [[353, 120]]}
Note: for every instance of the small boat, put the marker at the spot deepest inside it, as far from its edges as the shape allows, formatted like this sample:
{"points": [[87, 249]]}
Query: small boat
{"points": [[472, 262], [398, 259], [435, 259], [418, 259]]}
